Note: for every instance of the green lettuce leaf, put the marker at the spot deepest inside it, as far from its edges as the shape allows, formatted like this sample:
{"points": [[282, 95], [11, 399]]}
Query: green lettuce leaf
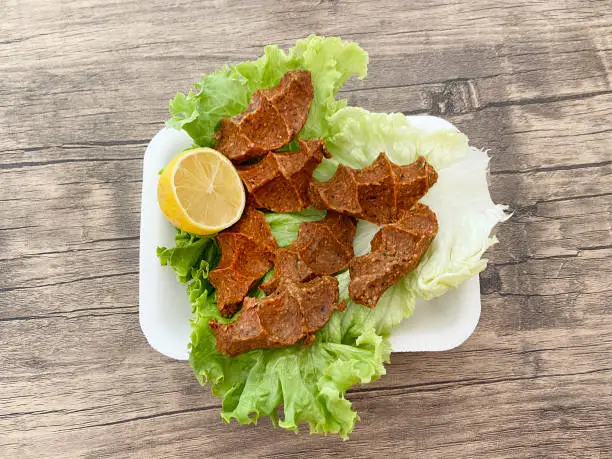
{"points": [[185, 255], [228, 91], [357, 136], [308, 382]]}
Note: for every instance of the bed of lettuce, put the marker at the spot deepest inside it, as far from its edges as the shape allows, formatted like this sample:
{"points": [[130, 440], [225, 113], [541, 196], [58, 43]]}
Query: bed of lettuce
{"points": [[297, 385]]}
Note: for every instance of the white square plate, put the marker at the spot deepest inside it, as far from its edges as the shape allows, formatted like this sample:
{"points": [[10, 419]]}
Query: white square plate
{"points": [[164, 309]]}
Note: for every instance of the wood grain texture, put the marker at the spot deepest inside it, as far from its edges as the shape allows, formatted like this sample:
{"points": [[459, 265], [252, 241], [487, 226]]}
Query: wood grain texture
{"points": [[85, 84]]}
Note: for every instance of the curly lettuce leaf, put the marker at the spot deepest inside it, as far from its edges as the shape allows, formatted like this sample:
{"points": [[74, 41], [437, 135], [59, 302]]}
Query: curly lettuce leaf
{"points": [[187, 252], [331, 62], [308, 382], [228, 91], [460, 198]]}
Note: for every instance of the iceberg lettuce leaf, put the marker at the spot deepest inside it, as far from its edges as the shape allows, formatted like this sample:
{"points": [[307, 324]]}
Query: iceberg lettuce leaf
{"points": [[466, 216], [460, 198]]}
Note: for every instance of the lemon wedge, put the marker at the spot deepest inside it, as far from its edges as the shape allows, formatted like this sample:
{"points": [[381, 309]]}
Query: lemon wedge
{"points": [[200, 192]]}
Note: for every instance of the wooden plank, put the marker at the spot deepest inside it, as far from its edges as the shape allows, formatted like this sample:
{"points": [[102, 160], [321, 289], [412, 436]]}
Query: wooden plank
{"points": [[563, 227], [415, 375], [426, 418], [97, 294]]}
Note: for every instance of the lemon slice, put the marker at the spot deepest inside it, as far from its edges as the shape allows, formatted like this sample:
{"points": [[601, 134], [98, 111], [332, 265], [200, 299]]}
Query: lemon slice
{"points": [[200, 192]]}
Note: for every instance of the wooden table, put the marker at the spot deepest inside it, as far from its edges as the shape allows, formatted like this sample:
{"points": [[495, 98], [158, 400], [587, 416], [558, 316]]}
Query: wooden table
{"points": [[84, 86]]}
